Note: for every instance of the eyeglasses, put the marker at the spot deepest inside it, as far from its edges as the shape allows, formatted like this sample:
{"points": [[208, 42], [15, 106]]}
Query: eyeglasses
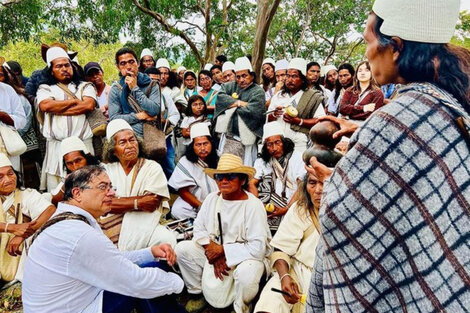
{"points": [[229, 176], [102, 187], [130, 62]]}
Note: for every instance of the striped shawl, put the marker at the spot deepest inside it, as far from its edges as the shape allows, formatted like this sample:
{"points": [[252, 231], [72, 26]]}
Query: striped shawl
{"points": [[395, 215]]}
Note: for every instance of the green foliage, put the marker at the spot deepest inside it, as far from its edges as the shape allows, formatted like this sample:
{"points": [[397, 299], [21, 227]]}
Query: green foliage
{"points": [[28, 54], [462, 36]]}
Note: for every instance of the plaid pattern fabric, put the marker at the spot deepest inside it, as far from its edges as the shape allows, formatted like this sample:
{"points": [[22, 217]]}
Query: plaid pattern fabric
{"points": [[395, 216]]}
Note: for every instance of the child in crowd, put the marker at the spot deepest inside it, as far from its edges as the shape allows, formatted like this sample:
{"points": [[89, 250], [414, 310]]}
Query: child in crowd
{"points": [[196, 112]]}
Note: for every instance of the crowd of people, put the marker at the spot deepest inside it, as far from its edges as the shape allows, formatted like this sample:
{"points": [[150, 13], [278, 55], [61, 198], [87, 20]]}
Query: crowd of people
{"points": [[309, 189]]}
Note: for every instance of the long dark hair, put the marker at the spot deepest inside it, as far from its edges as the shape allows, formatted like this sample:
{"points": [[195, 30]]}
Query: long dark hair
{"points": [[315, 85], [444, 65], [191, 100], [77, 77], [212, 158], [90, 160], [13, 80], [269, 82], [287, 143], [350, 69]]}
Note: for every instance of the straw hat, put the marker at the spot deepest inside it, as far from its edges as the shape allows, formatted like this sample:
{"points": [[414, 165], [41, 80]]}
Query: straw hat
{"points": [[229, 163]]}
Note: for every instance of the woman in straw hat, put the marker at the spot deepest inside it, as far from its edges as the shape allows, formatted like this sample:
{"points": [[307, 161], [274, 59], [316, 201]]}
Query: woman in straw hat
{"points": [[395, 213], [228, 253]]}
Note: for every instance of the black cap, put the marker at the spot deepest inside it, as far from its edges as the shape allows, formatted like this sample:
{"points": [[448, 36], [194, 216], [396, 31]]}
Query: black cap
{"points": [[91, 65]]}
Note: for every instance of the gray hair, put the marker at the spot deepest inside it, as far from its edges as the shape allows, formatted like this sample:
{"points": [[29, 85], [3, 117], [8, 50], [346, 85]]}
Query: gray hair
{"points": [[80, 179], [108, 150]]}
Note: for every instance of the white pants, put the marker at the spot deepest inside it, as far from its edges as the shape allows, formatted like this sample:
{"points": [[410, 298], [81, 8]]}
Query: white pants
{"points": [[246, 275]]}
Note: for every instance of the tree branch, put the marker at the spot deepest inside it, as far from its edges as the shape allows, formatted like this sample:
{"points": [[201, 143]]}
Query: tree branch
{"points": [[192, 24], [358, 42], [163, 22]]}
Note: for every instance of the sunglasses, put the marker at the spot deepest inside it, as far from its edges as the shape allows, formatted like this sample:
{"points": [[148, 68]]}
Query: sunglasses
{"points": [[230, 176]]}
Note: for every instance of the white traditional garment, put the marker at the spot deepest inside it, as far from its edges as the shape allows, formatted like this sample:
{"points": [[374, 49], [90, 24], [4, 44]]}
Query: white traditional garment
{"points": [[296, 243], [189, 174], [189, 120], [175, 94], [55, 128], [295, 170], [284, 99], [245, 236], [142, 229], [103, 98], [11, 104], [33, 204]]}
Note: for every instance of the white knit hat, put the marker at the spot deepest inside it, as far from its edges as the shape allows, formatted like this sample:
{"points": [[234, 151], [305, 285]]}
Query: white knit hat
{"points": [[116, 126], [228, 66], [430, 21], [146, 52], [208, 66], [162, 62], [181, 68], [72, 144], [4, 160], [281, 65], [242, 64], [298, 64], [55, 53], [272, 129], [198, 130], [325, 69], [269, 61]]}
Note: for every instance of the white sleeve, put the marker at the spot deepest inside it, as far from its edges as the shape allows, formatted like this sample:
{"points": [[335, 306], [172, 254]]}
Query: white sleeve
{"points": [[44, 92], [34, 204], [173, 113], [260, 168], [16, 110], [96, 261], [201, 232], [89, 91]]}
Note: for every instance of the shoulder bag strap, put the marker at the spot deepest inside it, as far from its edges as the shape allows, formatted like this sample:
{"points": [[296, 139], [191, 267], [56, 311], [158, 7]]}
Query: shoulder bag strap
{"points": [[67, 90], [59, 218]]}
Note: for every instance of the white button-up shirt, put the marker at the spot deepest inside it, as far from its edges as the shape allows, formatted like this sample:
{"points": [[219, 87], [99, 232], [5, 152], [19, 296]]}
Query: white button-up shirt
{"points": [[71, 263]]}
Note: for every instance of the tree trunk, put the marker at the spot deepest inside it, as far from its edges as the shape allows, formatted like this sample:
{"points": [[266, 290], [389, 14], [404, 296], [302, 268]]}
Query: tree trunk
{"points": [[266, 11]]}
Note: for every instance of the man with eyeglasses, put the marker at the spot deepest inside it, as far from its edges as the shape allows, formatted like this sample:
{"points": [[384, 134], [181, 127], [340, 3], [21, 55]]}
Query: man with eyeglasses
{"points": [[239, 113], [224, 262], [73, 267], [64, 100], [308, 104], [278, 171]]}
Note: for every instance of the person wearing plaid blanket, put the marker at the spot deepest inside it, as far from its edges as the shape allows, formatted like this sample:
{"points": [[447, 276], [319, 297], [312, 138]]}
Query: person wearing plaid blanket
{"points": [[395, 211]]}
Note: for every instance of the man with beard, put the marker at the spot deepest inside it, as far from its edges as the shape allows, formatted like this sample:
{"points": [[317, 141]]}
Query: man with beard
{"points": [[94, 74], [63, 102], [345, 80], [296, 94]]}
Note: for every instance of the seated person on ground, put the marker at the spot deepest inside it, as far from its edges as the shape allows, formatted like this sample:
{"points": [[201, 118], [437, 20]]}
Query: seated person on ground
{"points": [[189, 179], [141, 190], [227, 256]]}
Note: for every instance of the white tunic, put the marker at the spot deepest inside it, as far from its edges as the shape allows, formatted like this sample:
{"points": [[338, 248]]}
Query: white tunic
{"points": [[284, 99], [295, 170], [245, 229], [189, 174], [140, 229], [58, 127]]}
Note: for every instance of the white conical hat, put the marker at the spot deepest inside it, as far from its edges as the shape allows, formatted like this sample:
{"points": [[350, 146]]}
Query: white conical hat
{"points": [[162, 62], [269, 61], [55, 53], [208, 66], [72, 144], [116, 126], [281, 65], [242, 64], [325, 69], [4, 160], [198, 130], [298, 64], [228, 66], [430, 21], [146, 52], [272, 129]]}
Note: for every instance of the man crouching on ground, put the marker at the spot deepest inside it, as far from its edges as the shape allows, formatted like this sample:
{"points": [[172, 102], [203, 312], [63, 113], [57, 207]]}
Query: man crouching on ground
{"points": [[74, 267]]}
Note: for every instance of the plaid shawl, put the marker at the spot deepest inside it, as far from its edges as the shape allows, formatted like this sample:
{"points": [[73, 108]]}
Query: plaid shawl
{"points": [[395, 214]]}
